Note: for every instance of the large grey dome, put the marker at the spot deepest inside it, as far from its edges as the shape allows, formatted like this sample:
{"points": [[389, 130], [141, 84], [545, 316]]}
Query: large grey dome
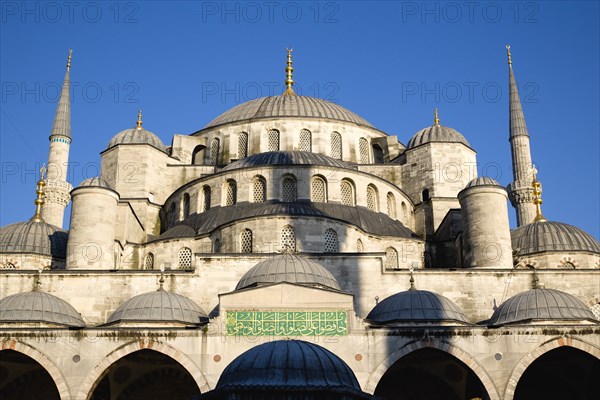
{"points": [[416, 306], [285, 364], [158, 306], [541, 304], [289, 268], [551, 236], [38, 306], [287, 106], [34, 237], [482, 181], [436, 133], [137, 135], [286, 158]]}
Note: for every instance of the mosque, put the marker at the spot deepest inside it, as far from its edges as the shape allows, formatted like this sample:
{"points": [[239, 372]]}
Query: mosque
{"points": [[291, 250]]}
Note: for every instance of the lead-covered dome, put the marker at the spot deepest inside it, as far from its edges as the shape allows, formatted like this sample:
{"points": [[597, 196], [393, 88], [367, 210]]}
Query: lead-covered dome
{"points": [[541, 304], [288, 268], [35, 238], [95, 181], [482, 181], [286, 158], [36, 307], [137, 135], [158, 306], [287, 106], [436, 133], [545, 236], [288, 364], [416, 306]]}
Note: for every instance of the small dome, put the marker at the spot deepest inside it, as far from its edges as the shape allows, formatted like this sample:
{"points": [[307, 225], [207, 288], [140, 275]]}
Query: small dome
{"points": [[539, 237], [38, 306], [436, 133], [34, 237], [95, 181], [286, 364], [287, 106], [289, 268], [158, 306], [137, 136], [483, 181], [286, 158], [541, 304], [416, 306]]}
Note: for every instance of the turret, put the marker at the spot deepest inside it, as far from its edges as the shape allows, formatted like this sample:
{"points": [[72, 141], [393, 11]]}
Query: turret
{"points": [[57, 187], [520, 190]]}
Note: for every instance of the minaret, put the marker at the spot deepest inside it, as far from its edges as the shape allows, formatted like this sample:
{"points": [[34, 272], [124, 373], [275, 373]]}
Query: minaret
{"points": [[520, 190], [289, 70], [57, 187]]}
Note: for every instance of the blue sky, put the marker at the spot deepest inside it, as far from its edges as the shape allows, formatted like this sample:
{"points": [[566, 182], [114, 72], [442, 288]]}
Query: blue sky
{"points": [[392, 63]]}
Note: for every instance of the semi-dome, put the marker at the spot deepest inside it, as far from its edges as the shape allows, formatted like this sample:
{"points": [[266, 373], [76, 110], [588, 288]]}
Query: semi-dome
{"points": [[416, 306], [137, 135], [288, 364], [287, 106], [538, 237], [158, 306], [95, 181], [34, 237], [436, 133], [286, 158], [289, 268], [36, 307], [541, 304], [482, 181]]}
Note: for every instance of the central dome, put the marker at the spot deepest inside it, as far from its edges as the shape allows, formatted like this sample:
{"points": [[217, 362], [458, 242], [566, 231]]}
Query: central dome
{"points": [[286, 158], [287, 106]]}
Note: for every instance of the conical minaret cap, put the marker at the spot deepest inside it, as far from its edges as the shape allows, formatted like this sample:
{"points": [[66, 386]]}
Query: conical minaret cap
{"points": [[517, 119], [62, 118]]}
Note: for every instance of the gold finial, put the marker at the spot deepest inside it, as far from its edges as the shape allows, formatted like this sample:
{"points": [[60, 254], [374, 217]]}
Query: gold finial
{"points": [[161, 280], [69, 59], [289, 82], [537, 197], [412, 279], [139, 121], [39, 201], [508, 54], [436, 119]]}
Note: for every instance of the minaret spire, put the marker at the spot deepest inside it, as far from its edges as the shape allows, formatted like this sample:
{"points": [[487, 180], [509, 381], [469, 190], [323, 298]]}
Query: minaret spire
{"points": [[58, 189], [289, 70], [520, 190]]}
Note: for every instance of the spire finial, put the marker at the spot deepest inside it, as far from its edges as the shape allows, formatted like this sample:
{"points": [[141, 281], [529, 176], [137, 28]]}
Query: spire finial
{"points": [[537, 197], [289, 82], [436, 118], [412, 279], [139, 120], [39, 200], [69, 59], [508, 54]]}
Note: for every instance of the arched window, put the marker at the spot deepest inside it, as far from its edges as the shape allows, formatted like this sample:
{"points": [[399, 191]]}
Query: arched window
{"points": [[149, 261], [347, 193], [336, 145], [217, 246], [391, 205], [206, 198], [8, 265], [288, 189], [318, 190], [242, 145], [377, 154], [273, 140], [305, 140], [359, 246], [184, 258], [186, 205], [246, 241], [404, 212], [288, 238], [214, 151], [259, 194], [198, 155], [372, 201], [391, 258], [171, 217], [231, 193], [425, 194], [363, 148], [330, 241]]}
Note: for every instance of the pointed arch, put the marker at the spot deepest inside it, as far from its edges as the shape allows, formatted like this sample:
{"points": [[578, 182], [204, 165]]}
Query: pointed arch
{"points": [[214, 151], [273, 140], [259, 189], [336, 145], [372, 198], [391, 205], [305, 140], [347, 193], [288, 189], [246, 240], [242, 150], [363, 150], [318, 189]]}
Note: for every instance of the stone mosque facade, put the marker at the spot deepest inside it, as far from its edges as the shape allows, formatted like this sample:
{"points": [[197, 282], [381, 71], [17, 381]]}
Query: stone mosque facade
{"points": [[291, 250]]}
